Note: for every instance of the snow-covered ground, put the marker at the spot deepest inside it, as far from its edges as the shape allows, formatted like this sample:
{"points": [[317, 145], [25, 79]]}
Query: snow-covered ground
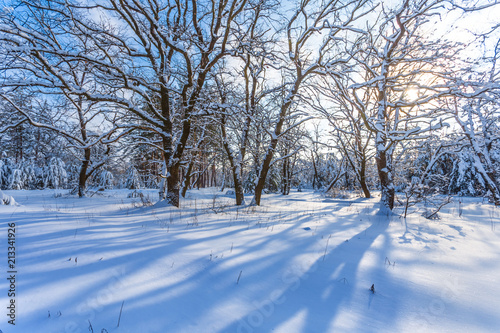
{"points": [[299, 263]]}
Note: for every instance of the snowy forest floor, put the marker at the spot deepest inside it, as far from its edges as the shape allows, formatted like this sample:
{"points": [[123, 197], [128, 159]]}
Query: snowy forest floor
{"points": [[298, 263]]}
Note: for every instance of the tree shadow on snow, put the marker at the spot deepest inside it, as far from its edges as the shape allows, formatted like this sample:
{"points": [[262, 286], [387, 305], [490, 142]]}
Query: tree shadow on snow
{"points": [[312, 300]]}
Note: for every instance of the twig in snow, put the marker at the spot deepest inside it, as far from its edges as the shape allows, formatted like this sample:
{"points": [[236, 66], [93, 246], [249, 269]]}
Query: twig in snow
{"points": [[239, 276], [388, 262], [326, 247]]}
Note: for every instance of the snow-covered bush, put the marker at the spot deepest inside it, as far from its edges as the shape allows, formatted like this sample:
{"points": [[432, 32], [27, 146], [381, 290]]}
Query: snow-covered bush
{"points": [[73, 172], [23, 175], [1, 173], [16, 180], [55, 175], [105, 180], [150, 181], [273, 180], [7, 167], [133, 180], [464, 180], [32, 175], [249, 183], [6, 199]]}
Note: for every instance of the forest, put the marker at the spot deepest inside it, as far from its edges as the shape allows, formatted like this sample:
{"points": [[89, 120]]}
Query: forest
{"points": [[249, 166], [256, 95]]}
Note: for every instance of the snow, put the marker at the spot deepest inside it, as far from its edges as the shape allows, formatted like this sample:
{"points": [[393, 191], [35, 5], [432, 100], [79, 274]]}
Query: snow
{"points": [[6, 199], [299, 263]]}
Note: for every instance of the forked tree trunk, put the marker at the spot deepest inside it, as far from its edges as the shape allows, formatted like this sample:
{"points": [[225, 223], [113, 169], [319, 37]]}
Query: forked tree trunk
{"points": [[266, 163], [287, 176], [236, 172], [187, 179], [235, 163], [264, 170], [238, 188]]}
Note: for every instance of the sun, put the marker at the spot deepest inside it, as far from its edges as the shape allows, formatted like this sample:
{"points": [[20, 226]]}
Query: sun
{"points": [[412, 94]]}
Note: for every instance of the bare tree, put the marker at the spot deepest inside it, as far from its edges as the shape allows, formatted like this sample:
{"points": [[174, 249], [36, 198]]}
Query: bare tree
{"points": [[478, 117], [153, 56], [303, 34], [242, 88], [35, 59], [397, 84], [474, 104], [350, 135]]}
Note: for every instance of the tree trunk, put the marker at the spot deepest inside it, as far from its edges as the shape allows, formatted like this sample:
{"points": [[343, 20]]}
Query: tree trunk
{"points": [[82, 179], [383, 157], [384, 169], [187, 179], [286, 176], [238, 189], [235, 164], [264, 170], [235, 170], [172, 197], [163, 181], [315, 176], [223, 185], [173, 190], [362, 180], [364, 188]]}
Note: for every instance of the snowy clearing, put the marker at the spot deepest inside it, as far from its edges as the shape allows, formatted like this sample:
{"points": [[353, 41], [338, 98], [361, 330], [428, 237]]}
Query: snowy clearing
{"points": [[299, 263]]}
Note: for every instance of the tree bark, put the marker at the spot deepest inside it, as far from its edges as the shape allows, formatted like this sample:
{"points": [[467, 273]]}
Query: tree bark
{"points": [[82, 179], [362, 179], [384, 169], [235, 166], [173, 190], [187, 179]]}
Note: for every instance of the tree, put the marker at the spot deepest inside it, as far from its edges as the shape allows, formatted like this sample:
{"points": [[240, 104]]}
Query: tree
{"points": [[242, 89], [478, 119], [475, 108], [290, 147], [396, 84], [303, 30], [156, 54], [46, 56], [350, 135]]}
